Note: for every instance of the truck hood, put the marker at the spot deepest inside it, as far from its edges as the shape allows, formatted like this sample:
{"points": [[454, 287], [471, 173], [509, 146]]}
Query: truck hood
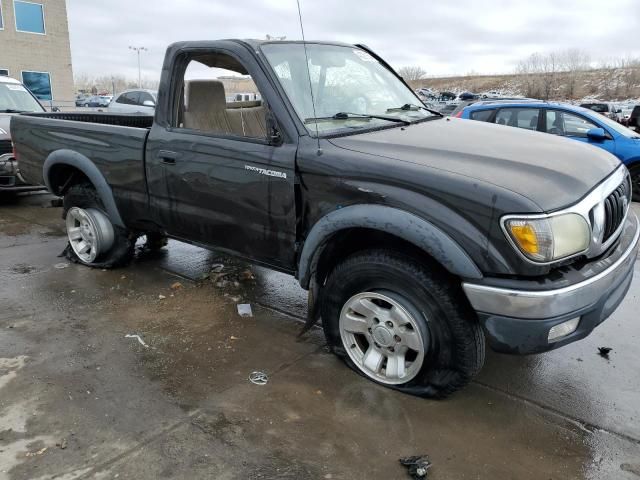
{"points": [[551, 171]]}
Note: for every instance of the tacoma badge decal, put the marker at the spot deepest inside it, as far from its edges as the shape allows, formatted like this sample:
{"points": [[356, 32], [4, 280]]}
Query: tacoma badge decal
{"points": [[268, 173]]}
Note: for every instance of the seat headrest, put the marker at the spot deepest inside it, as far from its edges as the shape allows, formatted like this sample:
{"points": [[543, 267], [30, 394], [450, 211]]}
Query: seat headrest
{"points": [[205, 95]]}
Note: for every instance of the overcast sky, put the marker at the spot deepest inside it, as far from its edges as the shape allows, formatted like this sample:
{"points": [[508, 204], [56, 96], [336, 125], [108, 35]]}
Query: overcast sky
{"points": [[444, 37]]}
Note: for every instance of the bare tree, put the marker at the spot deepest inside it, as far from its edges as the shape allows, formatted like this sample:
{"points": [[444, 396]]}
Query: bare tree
{"points": [[412, 73], [573, 61]]}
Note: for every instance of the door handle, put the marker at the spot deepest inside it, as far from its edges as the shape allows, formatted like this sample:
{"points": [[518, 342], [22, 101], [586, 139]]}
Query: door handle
{"points": [[167, 157]]}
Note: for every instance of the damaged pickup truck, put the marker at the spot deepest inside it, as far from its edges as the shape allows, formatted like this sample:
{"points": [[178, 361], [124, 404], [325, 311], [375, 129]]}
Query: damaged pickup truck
{"points": [[419, 238]]}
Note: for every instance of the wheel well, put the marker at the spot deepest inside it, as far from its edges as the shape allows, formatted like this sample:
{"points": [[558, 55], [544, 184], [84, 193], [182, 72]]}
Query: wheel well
{"points": [[62, 177], [349, 241]]}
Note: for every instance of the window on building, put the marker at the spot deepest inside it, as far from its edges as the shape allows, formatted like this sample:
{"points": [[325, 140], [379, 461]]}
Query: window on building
{"points": [[4, 72], [29, 17], [1, 18], [38, 83]]}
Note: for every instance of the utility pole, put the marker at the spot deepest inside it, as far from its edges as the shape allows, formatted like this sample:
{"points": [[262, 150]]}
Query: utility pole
{"points": [[138, 50]]}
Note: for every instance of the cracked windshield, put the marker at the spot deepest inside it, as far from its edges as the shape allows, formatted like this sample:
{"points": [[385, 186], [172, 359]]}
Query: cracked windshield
{"points": [[351, 88]]}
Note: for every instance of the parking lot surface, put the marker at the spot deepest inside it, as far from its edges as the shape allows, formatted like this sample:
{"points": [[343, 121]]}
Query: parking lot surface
{"points": [[81, 400]]}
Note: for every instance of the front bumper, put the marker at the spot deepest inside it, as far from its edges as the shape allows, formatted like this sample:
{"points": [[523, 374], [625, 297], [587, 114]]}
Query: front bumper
{"points": [[517, 317]]}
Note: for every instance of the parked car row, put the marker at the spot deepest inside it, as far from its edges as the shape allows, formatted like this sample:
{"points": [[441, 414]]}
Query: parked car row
{"points": [[132, 101]]}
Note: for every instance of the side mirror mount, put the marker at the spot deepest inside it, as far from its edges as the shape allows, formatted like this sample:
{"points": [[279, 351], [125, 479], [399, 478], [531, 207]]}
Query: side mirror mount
{"points": [[597, 134], [274, 137], [148, 103]]}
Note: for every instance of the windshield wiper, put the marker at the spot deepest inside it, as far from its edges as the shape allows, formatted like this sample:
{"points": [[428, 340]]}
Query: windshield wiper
{"points": [[348, 115], [407, 107]]}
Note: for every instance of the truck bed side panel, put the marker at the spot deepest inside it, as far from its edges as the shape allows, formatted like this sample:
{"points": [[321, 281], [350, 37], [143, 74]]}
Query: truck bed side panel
{"points": [[117, 151]]}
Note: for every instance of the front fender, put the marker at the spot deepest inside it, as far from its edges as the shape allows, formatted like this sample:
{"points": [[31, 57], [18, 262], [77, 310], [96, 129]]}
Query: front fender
{"points": [[399, 223], [88, 168]]}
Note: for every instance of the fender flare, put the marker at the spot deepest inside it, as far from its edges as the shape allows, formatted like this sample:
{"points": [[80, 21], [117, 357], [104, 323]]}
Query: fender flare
{"points": [[86, 166], [399, 223]]}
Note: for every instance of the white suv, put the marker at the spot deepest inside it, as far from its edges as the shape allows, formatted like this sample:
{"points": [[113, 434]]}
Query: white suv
{"points": [[135, 101]]}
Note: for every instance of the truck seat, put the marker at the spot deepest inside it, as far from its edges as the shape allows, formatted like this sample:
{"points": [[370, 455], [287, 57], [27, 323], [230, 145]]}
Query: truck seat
{"points": [[206, 107], [207, 110], [247, 119]]}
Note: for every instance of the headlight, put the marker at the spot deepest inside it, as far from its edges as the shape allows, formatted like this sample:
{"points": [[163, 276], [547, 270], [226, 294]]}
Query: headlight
{"points": [[548, 239]]}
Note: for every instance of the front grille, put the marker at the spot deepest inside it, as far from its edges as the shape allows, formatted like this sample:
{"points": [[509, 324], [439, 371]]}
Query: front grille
{"points": [[5, 147], [615, 209]]}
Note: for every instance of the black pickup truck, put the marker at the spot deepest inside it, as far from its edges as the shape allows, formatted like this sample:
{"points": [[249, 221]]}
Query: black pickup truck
{"points": [[419, 238]]}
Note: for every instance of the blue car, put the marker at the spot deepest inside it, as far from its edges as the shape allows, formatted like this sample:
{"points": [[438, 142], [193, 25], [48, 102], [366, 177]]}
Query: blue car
{"points": [[568, 121]]}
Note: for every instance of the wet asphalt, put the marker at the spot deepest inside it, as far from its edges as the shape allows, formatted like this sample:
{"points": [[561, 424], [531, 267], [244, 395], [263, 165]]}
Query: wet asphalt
{"points": [[80, 400]]}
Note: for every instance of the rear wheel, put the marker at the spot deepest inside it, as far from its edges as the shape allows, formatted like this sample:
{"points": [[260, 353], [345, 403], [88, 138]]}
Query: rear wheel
{"points": [[635, 181], [401, 324], [93, 239]]}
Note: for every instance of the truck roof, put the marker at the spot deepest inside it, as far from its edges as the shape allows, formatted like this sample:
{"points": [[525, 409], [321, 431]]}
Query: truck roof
{"points": [[251, 42]]}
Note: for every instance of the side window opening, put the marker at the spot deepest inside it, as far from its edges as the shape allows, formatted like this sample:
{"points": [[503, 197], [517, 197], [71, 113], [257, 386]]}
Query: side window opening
{"points": [[218, 92]]}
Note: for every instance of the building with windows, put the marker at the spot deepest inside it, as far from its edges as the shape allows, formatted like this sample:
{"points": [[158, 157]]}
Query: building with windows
{"points": [[35, 48]]}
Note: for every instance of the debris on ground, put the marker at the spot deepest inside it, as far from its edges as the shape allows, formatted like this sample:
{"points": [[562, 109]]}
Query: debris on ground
{"points": [[604, 352], [258, 378], [60, 266], [244, 310], [246, 276], [38, 453], [418, 466], [176, 286], [217, 267], [62, 444], [137, 337], [161, 297]]}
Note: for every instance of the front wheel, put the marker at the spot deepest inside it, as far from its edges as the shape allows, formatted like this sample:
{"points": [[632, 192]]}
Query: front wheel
{"points": [[401, 324]]}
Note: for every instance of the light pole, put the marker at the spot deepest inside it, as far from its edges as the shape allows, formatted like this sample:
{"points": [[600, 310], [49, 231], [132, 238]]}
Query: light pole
{"points": [[138, 50]]}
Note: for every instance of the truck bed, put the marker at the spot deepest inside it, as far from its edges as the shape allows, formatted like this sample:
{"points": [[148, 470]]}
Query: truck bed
{"points": [[104, 118], [115, 144]]}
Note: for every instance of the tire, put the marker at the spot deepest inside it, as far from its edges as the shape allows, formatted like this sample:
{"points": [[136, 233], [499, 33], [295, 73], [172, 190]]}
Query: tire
{"points": [[155, 242], [83, 210], [635, 182], [428, 310]]}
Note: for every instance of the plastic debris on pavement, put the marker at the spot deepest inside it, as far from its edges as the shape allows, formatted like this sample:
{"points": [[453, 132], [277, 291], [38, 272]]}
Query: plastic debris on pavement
{"points": [[258, 378], [244, 310], [418, 466], [139, 338], [604, 352], [60, 266]]}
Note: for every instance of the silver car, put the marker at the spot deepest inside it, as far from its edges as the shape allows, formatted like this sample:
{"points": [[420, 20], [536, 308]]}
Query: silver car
{"points": [[135, 101], [14, 99]]}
